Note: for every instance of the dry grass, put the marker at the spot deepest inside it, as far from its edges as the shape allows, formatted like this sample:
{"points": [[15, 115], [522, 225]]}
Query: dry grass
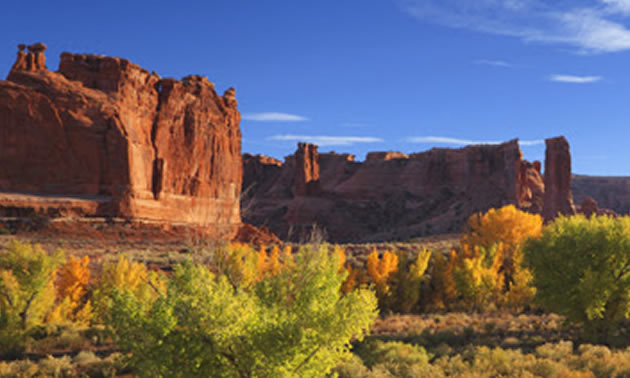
{"points": [[454, 331]]}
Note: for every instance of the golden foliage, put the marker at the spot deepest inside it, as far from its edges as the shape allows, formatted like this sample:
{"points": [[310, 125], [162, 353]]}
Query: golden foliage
{"points": [[420, 265], [351, 281], [379, 270], [274, 265], [72, 290], [341, 253], [132, 277], [493, 248], [477, 277], [507, 225], [443, 291], [261, 262]]}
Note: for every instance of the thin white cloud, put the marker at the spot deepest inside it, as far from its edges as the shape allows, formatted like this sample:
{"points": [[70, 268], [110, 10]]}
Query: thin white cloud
{"points": [[622, 6], [465, 142], [325, 140], [274, 117], [494, 63], [575, 79], [593, 26]]}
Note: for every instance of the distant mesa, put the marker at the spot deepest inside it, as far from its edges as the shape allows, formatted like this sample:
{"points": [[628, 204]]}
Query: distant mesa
{"points": [[395, 196], [104, 137]]}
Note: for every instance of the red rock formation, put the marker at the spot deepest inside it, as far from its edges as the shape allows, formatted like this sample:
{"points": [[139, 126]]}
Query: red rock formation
{"points": [[258, 236], [531, 187], [609, 192], [103, 129], [306, 173], [33, 61], [590, 207], [389, 155], [393, 196], [558, 198]]}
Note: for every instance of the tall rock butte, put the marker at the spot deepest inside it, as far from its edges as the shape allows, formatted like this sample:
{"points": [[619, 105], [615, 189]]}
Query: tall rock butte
{"points": [[104, 137], [558, 197]]}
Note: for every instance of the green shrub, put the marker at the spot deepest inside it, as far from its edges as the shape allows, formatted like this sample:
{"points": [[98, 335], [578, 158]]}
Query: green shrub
{"points": [[581, 270], [293, 323]]}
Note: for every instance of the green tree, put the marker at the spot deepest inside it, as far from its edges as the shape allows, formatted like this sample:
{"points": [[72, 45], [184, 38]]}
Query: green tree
{"points": [[581, 269], [27, 284], [27, 292], [406, 283], [294, 323]]}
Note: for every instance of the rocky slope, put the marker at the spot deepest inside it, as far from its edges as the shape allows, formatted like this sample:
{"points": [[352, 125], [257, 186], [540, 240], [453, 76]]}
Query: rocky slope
{"points": [[104, 137]]}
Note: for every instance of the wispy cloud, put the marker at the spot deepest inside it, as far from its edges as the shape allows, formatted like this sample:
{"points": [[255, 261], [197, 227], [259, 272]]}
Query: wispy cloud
{"points": [[274, 117], [325, 140], [575, 79], [593, 26], [465, 142], [494, 63]]}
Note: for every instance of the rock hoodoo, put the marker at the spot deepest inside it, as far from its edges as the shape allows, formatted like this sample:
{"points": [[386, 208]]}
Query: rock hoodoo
{"points": [[558, 198], [104, 137], [391, 195], [306, 178], [33, 61]]}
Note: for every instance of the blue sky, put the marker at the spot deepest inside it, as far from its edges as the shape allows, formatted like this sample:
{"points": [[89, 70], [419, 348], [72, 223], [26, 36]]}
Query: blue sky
{"points": [[373, 75]]}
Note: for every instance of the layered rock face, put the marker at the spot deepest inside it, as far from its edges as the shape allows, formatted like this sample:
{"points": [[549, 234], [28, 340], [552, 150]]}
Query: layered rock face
{"points": [[105, 130], [558, 197], [609, 192], [390, 196]]}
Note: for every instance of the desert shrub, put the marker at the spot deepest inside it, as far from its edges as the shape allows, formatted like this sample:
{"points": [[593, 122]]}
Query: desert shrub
{"points": [[376, 359], [581, 270], [295, 322]]}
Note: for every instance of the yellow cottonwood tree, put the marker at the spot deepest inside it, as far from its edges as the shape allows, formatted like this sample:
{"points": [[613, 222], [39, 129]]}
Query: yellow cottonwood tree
{"points": [[379, 271], [508, 227], [72, 290]]}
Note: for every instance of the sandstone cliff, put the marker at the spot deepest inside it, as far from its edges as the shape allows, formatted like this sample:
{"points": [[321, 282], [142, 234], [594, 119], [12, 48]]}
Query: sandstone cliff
{"points": [[558, 197], [391, 195], [127, 142], [609, 192]]}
